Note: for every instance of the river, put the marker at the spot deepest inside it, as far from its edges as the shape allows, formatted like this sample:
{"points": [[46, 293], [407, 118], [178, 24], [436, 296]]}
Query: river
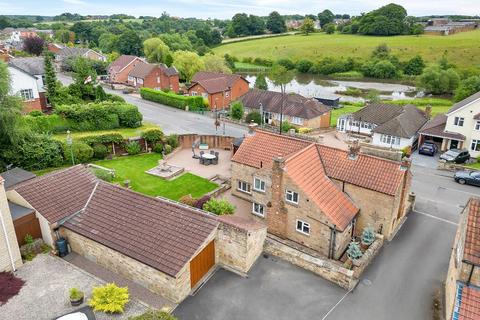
{"points": [[310, 86]]}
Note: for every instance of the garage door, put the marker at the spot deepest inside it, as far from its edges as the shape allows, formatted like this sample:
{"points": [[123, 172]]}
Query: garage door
{"points": [[202, 263]]}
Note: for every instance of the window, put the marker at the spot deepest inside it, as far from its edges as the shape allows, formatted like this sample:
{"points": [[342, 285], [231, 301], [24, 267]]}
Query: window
{"points": [[243, 186], [458, 121], [194, 93], [158, 79], [140, 80], [391, 140], [297, 120], [130, 78], [291, 196], [477, 125], [258, 209], [303, 227], [26, 94], [258, 185], [475, 145]]}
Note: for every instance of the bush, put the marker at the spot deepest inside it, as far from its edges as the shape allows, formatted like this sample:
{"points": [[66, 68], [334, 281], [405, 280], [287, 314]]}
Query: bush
{"points": [[103, 175], [75, 294], [133, 147], [331, 65], [188, 200], [154, 315], [438, 81], [254, 117], [167, 148], [46, 123], [368, 235], [304, 65], [304, 130], [158, 148], [152, 135], [100, 151], [28, 239], [236, 110], [128, 115], [109, 298], [467, 87], [82, 152], [219, 207], [286, 126], [35, 113], [172, 140], [103, 138], [287, 63], [383, 69], [329, 28], [194, 103], [353, 251]]}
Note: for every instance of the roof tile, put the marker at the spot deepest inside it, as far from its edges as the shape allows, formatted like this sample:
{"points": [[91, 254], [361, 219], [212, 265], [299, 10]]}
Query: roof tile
{"points": [[472, 238]]}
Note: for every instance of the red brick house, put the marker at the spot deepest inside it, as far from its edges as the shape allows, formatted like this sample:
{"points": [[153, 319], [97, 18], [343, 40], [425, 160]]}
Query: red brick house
{"points": [[219, 88], [154, 77], [119, 69]]}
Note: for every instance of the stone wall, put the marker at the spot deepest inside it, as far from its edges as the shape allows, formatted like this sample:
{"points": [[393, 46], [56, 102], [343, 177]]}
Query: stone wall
{"points": [[239, 245], [175, 289], [8, 241], [381, 152]]}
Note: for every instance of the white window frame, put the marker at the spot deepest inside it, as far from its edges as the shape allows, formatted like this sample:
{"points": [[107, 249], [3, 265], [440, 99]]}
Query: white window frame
{"points": [[477, 125], [260, 182], [258, 209], [158, 79], [193, 93], [302, 227], [27, 94], [458, 121], [140, 80], [475, 144], [390, 140], [244, 186], [130, 78], [291, 193], [297, 120]]}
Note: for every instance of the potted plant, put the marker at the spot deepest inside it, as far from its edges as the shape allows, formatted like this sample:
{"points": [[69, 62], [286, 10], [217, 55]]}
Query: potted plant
{"points": [[76, 297], [353, 253], [368, 237]]}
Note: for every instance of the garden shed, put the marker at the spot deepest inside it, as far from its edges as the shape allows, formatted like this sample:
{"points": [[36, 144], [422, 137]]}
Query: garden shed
{"points": [[25, 222]]}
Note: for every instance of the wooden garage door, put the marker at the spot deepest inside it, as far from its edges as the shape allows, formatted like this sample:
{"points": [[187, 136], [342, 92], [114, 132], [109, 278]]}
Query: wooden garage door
{"points": [[27, 225], [202, 263]]}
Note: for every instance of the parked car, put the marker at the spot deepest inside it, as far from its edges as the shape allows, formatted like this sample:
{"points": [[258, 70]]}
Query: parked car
{"points": [[467, 177], [428, 148], [456, 155], [74, 316]]}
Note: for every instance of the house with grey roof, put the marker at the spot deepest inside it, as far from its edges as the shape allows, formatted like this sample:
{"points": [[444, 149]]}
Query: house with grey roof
{"points": [[388, 126], [71, 53]]}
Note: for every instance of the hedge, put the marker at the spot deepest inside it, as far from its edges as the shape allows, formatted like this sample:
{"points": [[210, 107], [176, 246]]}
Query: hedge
{"points": [[194, 103], [103, 138]]}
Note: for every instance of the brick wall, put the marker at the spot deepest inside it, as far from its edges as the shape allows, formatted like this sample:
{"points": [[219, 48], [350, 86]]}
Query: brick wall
{"points": [[5, 261], [29, 106]]}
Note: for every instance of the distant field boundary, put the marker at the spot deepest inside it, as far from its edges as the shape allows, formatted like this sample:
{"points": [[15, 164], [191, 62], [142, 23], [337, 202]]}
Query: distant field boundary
{"points": [[260, 36]]}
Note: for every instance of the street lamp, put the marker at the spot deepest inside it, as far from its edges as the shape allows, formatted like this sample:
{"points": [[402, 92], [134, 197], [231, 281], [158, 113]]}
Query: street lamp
{"points": [[69, 144]]}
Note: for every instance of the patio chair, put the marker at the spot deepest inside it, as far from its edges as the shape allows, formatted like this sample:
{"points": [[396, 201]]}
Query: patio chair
{"points": [[212, 152], [207, 162], [202, 153], [215, 161], [202, 160], [217, 155]]}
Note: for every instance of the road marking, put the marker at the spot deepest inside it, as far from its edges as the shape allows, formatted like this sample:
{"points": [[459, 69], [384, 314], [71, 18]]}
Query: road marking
{"points": [[339, 301], [436, 218]]}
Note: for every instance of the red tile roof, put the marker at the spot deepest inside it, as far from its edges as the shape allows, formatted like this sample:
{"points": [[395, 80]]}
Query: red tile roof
{"points": [[470, 304], [160, 233], [121, 63], [306, 171], [259, 150], [365, 171], [58, 194], [471, 250], [214, 82]]}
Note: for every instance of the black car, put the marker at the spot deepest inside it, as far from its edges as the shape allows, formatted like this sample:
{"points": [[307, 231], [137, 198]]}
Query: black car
{"points": [[468, 177], [456, 156], [428, 148]]}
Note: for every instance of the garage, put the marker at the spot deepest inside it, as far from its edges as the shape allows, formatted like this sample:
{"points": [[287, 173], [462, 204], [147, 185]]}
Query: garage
{"points": [[202, 263], [25, 222]]}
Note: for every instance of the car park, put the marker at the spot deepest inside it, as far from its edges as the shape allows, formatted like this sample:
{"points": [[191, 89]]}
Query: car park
{"points": [[456, 156], [429, 148], [467, 177]]}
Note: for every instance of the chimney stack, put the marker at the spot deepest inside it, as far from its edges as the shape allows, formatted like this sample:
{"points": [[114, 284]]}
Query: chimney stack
{"points": [[353, 150], [251, 128]]}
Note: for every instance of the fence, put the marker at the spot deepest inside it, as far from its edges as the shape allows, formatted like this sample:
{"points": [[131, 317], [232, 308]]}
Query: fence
{"points": [[219, 142]]}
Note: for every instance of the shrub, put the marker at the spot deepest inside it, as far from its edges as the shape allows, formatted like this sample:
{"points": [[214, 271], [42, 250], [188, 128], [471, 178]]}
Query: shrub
{"points": [[115, 98], [154, 315], [46, 123], [438, 81], [331, 65], [304, 65], [368, 235], [304, 130], [133, 147], [167, 148], [75, 294], [103, 175], [236, 110], [82, 152], [353, 251], [28, 239], [103, 138], [109, 298], [128, 115], [35, 113], [100, 151], [11, 286], [329, 28], [158, 148], [286, 126], [287, 63], [172, 140], [152, 135], [467, 87], [219, 207], [188, 200], [194, 103], [254, 117], [414, 66]]}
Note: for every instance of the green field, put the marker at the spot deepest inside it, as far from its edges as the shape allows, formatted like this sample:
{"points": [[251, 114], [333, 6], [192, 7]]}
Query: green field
{"points": [[463, 49]]}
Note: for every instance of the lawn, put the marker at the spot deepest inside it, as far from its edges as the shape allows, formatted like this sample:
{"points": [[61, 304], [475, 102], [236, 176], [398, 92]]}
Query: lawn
{"points": [[133, 168], [125, 132], [462, 48]]}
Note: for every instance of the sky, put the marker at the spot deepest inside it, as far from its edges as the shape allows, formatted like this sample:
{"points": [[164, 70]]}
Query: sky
{"points": [[226, 9]]}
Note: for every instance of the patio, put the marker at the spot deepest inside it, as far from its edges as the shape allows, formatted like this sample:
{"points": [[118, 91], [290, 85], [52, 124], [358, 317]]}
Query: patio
{"points": [[183, 158]]}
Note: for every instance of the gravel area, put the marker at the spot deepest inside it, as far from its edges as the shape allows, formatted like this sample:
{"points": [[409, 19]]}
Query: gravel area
{"points": [[45, 293]]}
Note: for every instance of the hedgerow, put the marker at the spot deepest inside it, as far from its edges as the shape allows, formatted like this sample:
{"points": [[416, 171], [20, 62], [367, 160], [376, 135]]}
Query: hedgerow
{"points": [[194, 103]]}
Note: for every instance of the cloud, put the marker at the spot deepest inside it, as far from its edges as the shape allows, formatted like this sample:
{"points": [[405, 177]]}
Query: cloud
{"points": [[75, 2]]}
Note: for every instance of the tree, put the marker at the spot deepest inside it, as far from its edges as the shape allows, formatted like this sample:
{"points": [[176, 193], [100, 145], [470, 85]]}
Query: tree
{"points": [[240, 24], [329, 28], [236, 110], [84, 79], [129, 43], [325, 17], [304, 65], [108, 42], [254, 117], [33, 45], [280, 76], [276, 23], [187, 63], [307, 27], [256, 25], [100, 94], [261, 82], [438, 81], [214, 63], [467, 87], [10, 111], [385, 21], [155, 50], [50, 77], [414, 66]]}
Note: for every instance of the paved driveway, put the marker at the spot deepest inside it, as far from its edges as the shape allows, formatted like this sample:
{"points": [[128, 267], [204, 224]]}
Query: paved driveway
{"points": [[425, 161]]}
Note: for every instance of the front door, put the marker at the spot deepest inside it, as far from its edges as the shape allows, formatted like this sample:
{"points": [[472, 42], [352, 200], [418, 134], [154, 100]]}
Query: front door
{"points": [[341, 124]]}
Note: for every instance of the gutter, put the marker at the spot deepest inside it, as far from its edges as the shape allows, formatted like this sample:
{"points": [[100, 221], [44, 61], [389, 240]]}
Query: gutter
{"points": [[7, 242]]}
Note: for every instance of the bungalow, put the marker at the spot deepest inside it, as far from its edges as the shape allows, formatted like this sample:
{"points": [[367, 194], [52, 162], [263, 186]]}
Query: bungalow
{"points": [[219, 89], [168, 247], [318, 196], [119, 69], [154, 76], [297, 110], [70, 53], [27, 81], [388, 126], [459, 128], [462, 286]]}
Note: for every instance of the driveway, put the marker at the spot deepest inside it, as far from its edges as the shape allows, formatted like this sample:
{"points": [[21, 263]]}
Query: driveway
{"points": [[45, 293], [172, 120], [425, 161]]}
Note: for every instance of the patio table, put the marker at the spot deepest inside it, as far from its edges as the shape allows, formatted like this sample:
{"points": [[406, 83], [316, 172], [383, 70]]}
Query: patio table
{"points": [[208, 156]]}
